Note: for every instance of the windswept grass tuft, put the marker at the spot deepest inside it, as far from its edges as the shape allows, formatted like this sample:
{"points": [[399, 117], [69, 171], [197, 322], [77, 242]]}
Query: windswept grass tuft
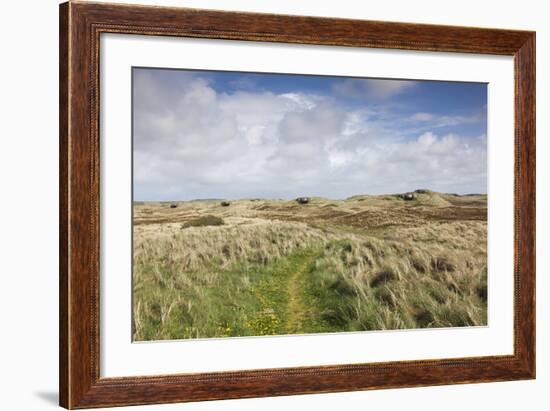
{"points": [[203, 221], [369, 284]]}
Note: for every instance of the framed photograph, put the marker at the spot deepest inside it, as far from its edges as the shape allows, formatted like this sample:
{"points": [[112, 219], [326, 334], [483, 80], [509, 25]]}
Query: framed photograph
{"points": [[258, 205]]}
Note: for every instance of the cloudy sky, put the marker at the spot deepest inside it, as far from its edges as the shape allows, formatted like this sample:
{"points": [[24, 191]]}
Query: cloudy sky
{"points": [[206, 134]]}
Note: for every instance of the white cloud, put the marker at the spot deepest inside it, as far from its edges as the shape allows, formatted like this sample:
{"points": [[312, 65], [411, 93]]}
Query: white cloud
{"points": [[436, 121], [373, 88], [422, 117], [193, 142]]}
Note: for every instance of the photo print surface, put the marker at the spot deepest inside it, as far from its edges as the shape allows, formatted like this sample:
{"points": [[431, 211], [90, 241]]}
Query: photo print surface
{"points": [[277, 204]]}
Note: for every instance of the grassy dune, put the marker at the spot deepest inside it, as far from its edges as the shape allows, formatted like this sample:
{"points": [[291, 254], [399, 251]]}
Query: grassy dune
{"points": [[263, 267]]}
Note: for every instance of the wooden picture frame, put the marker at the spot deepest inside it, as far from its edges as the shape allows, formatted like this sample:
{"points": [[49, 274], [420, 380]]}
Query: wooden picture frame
{"points": [[81, 24]]}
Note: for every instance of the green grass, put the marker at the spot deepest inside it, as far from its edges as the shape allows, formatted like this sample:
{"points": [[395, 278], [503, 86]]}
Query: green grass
{"points": [[248, 299], [308, 291], [389, 295]]}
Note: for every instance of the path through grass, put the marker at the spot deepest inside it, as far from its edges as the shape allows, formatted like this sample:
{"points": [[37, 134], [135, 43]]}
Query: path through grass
{"points": [[298, 312], [286, 306]]}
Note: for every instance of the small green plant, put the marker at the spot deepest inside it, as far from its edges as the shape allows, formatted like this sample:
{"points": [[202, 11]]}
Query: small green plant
{"points": [[203, 221]]}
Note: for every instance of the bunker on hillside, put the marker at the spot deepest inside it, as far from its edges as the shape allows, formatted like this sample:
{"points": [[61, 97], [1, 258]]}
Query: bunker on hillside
{"points": [[302, 200], [408, 196]]}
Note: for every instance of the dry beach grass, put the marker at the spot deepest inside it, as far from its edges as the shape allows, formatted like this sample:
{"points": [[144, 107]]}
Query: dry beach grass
{"points": [[263, 267]]}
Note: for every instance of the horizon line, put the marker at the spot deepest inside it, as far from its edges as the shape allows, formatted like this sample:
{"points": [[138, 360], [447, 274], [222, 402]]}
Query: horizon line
{"points": [[308, 196]]}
